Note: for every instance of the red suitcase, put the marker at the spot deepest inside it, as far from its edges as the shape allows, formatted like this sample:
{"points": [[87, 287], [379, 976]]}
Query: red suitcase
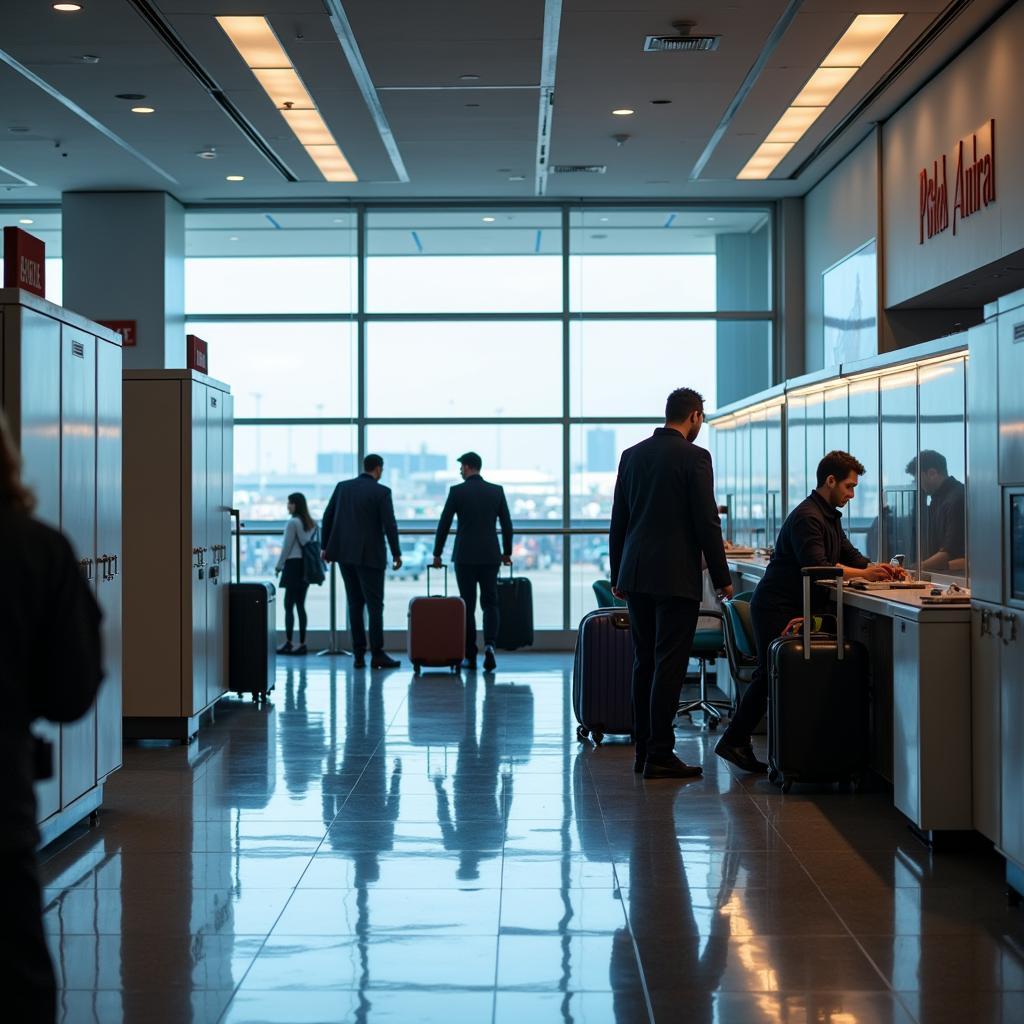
{"points": [[437, 629]]}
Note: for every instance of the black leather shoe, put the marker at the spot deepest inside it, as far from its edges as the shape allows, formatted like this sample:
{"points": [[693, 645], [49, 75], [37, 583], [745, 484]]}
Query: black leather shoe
{"points": [[743, 757], [383, 660], [285, 648], [671, 768], [489, 663], [301, 649], [359, 661]]}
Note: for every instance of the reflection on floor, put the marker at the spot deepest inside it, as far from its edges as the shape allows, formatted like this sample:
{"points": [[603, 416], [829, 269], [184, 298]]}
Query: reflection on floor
{"points": [[373, 848]]}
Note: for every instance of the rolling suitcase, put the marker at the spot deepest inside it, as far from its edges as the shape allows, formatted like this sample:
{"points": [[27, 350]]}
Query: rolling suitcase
{"points": [[515, 608], [817, 701], [251, 638], [437, 629], [602, 675]]}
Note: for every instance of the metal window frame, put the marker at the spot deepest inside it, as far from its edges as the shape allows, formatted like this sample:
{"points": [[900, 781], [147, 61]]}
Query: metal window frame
{"points": [[569, 527]]}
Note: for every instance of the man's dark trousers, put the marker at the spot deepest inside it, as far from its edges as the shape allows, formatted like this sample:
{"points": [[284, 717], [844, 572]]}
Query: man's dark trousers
{"points": [[769, 619], [364, 589], [663, 629], [469, 577]]}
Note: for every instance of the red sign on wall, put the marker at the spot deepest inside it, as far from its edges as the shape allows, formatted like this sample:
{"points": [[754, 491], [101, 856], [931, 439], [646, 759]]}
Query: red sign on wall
{"points": [[197, 354], [126, 328], [974, 183], [24, 261]]}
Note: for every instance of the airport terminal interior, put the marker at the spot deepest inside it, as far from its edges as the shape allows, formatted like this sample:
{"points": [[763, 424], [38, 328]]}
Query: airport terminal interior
{"points": [[248, 243]]}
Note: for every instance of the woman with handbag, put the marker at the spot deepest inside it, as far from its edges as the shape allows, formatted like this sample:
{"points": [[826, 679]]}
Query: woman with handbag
{"points": [[299, 532]]}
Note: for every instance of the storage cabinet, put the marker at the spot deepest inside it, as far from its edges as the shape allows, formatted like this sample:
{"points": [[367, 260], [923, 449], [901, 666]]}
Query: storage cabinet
{"points": [[1006, 625], [986, 720], [178, 484], [62, 397]]}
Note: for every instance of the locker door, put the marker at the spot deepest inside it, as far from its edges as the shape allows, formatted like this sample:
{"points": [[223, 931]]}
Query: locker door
{"points": [[78, 521], [216, 679], [199, 548], [32, 401], [227, 490], [109, 547]]}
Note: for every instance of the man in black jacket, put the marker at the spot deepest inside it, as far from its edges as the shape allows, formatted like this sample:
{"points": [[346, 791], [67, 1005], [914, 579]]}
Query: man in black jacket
{"points": [[812, 535], [358, 517], [664, 518], [478, 505]]}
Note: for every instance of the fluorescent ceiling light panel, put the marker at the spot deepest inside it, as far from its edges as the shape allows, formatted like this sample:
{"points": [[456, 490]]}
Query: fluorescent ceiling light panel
{"points": [[267, 60], [793, 123], [309, 127], [766, 158], [254, 39], [863, 36], [860, 40], [823, 87]]}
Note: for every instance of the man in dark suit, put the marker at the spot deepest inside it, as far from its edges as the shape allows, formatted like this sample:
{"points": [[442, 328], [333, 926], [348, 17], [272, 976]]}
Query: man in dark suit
{"points": [[664, 518], [357, 519], [478, 505]]}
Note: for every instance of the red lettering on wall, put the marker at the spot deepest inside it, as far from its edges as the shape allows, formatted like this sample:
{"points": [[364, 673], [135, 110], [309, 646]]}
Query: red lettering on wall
{"points": [[974, 184]]}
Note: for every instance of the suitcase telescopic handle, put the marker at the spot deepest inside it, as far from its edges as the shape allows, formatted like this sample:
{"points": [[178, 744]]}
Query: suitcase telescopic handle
{"points": [[823, 572], [445, 569]]}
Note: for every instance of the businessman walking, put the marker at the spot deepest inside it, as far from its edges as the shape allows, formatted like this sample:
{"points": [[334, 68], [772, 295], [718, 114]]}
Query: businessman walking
{"points": [[664, 517], [478, 506], [358, 517]]}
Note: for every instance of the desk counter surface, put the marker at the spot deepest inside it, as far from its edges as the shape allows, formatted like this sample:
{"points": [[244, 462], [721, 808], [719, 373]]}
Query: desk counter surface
{"points": [[904, 604]]}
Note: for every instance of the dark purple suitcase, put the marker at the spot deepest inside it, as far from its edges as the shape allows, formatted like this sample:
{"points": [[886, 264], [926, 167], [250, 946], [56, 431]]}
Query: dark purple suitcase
{"points": [[817, 702], [602, 676]]}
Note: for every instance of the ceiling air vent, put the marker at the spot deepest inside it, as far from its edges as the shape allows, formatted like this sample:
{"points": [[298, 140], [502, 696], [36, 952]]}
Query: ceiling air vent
{"points": [[683, 42], [578, 168]]}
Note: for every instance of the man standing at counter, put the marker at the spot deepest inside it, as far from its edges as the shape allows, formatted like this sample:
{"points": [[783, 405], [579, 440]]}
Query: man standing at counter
{"points": [[812, 535]]}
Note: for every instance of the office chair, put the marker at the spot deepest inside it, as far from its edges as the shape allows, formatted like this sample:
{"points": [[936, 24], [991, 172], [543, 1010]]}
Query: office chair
{"points": [[604, 595], [708, 644]]}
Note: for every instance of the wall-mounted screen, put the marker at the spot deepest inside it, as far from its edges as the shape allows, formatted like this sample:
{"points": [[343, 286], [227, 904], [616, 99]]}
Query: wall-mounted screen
{"points": [[850, 307], [1016, 529]]}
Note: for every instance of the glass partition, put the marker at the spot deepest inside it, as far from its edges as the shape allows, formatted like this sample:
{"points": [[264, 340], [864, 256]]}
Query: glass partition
{"points": [[796, 452], [773, 473], [837, 420], [758, 519], [939, 469], [742, 530], [861, 515], [898, 407], [815, 427]]}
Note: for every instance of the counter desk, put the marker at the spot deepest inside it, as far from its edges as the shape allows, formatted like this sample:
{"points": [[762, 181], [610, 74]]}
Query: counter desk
{"points": [[920, 696]]}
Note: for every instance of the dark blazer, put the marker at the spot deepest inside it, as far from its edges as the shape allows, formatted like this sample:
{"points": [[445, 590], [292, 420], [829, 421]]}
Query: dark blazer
{"points": [[358, 517], [478, 505], [811, 535], [664, 517], [52, 664]]}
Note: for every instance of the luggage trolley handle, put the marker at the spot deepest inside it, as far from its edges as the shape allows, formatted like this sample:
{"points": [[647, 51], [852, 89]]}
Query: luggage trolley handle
{"points": [[823, 572], [443, 568]]}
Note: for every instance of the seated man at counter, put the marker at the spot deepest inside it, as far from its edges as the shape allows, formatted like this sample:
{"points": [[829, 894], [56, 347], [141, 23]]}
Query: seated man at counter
{"points": [[944, 544], [811, 535]]}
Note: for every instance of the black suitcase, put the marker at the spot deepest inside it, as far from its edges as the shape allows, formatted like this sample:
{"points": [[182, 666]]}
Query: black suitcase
{"points": [[253, 632], [817, 701], [602, 674], [515, 606]]}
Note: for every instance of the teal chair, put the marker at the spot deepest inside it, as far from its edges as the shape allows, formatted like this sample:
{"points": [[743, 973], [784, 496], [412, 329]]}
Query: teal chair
{"points": [[708, 645], [740, 647], [604, 595]]}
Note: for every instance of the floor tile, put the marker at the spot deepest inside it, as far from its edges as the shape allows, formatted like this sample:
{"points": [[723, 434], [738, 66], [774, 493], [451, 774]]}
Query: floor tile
{"points": [[360, 1007], [977, 962]]}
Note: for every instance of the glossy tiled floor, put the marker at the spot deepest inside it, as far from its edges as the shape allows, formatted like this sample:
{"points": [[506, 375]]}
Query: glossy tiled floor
{"points": [[368, 848]]}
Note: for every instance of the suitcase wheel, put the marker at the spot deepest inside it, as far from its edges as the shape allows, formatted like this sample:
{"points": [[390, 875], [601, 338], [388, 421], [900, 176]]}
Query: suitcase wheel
{"points": [[416, 667], [774, 777], [787, 785], [597, 737], [582, 733]]}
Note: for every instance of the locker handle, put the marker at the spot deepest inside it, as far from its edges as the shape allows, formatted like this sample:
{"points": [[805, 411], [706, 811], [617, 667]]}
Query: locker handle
{"points": [[984, 626], [103, 560], [1011, 620], [86, 565], [999, 616], [117, 567]]}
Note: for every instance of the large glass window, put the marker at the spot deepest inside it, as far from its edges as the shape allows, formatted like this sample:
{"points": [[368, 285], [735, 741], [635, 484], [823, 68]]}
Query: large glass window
{"points": [[457, 333]]}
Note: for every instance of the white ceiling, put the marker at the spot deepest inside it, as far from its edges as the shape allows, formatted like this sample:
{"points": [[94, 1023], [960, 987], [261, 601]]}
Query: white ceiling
{"points": [[455, 139]]}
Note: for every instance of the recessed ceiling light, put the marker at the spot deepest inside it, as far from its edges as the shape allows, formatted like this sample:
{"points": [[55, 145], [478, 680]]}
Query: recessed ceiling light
{"points": [[469, 78], [89, 58], [207, 154], [130, 96], [603, 220], [488, 220], [517, 177], [143, 110], [623, 111], [26, 220], [233, 238], [235, 177], [66, 8], [19, 130], [709, 218], [339, 220]]}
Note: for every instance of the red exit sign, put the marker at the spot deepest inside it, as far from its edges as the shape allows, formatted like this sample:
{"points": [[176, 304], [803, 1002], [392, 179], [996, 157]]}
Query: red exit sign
{"points": [[126, 328], [197, 354], [974, 184], [24, 261]]}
